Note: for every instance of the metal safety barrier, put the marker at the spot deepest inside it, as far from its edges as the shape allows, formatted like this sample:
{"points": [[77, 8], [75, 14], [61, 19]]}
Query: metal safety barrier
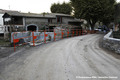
{"points": [[43, 36]]}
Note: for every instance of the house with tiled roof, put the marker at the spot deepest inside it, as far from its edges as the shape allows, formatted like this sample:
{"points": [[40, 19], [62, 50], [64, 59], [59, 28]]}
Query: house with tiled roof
{"points": [[2, 12], [34, 22]]}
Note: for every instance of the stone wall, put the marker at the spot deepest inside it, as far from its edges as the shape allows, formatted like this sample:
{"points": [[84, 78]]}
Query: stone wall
{"points": [[65, 20], [111, 43], [37, 21]]}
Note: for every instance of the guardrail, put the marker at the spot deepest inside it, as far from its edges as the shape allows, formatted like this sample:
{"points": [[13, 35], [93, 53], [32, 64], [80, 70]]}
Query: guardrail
{"points": [[36, 38]]}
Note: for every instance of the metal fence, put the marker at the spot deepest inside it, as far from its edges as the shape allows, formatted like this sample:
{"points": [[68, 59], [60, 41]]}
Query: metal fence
{"points": [[44, 36]]}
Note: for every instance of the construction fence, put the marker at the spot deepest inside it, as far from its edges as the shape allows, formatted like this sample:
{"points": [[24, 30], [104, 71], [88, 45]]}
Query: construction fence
{"points": [[43, 36]]}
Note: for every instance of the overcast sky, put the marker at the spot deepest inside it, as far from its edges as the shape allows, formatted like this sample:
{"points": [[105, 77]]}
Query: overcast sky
{"points": [[34, 6]]}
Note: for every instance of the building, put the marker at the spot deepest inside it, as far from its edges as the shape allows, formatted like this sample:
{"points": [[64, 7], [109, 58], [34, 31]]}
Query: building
{"points": [[2, 12], [15, 21]]}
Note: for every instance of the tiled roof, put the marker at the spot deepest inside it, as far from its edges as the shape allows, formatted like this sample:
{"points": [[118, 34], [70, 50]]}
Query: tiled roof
{"points": [[29, 15], [47, 15]]}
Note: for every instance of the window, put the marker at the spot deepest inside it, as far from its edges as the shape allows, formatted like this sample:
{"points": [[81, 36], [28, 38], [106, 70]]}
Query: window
{"points": [[18, 20]]}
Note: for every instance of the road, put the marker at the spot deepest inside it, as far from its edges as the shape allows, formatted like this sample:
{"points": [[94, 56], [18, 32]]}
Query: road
{"points": [[74, 58]]}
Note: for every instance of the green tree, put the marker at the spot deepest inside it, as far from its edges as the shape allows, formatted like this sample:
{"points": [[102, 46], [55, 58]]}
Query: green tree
{"points": [[64, 8], [94, 10]]}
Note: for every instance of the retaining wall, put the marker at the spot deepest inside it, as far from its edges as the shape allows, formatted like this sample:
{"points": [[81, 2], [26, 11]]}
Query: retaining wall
{"points": [[111, 43]]}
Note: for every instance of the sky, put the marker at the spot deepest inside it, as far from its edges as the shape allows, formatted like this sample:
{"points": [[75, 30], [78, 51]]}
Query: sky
{"points": [[33, 6]]}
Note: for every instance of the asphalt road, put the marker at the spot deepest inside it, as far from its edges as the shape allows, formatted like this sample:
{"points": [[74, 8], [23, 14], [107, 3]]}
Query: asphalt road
{"points": [[78, 58]]}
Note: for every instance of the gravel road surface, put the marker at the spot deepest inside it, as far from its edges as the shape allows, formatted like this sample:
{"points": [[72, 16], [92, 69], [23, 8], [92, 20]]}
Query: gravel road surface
{"points": [[77, 58]]}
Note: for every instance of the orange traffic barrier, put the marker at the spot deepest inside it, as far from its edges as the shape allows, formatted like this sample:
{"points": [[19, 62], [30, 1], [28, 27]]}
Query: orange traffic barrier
{"points": [[58, 34]]}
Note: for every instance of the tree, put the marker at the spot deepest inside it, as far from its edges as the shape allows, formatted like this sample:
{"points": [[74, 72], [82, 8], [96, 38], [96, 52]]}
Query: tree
{"points": [[108, 11], [94, 10], [64, 8]]}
